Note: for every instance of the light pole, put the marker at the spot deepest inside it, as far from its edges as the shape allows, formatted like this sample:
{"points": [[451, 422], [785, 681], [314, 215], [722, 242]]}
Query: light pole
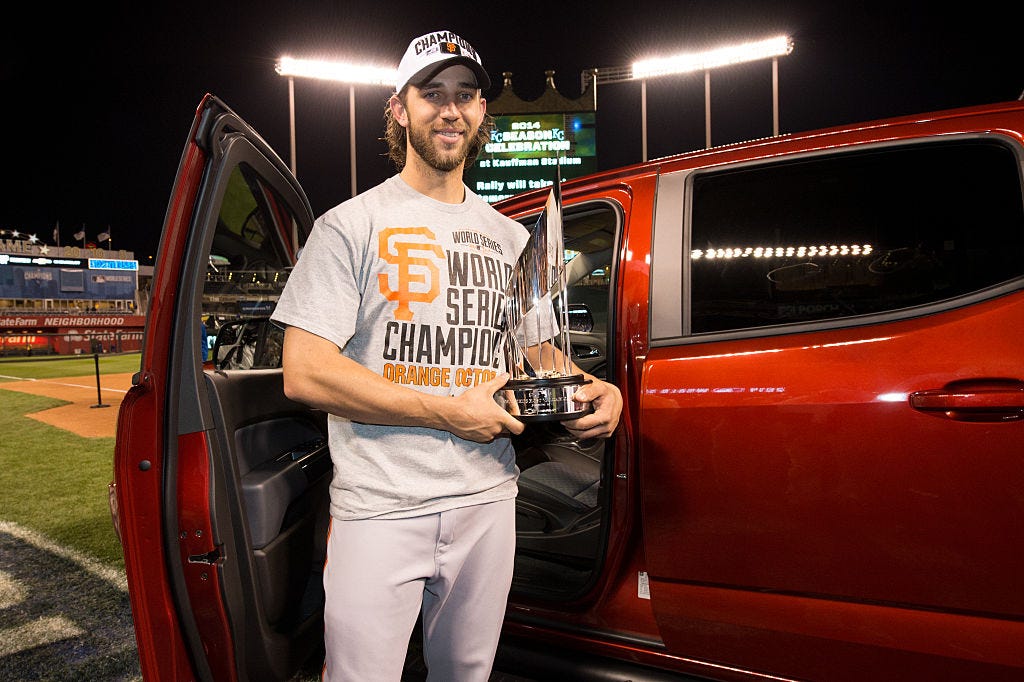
{"points": [[291, 121], [769, 48], [342, 72]]}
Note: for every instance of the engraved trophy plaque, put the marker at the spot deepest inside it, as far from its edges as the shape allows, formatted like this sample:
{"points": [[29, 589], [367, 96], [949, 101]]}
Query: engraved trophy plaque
{"points": [[535, 333]]}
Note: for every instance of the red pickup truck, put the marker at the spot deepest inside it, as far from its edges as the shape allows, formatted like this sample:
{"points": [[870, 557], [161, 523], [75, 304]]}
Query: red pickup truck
{"points": [[819, 473]]}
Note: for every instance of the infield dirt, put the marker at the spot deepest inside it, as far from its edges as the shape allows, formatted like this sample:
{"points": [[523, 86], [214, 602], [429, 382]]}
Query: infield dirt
{"points": [[90, 412]]}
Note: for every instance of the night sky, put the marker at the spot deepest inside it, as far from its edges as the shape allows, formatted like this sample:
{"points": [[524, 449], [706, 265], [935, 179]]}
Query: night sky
{"points": [[97, 101]]}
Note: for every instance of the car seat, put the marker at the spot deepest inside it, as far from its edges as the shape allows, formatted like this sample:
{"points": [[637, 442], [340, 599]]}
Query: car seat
{"points": [[558, 509]]}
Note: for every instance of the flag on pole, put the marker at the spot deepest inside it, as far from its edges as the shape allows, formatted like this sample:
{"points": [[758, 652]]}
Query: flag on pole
{"points": [[56, 233], [103, 236], [80, 235]]}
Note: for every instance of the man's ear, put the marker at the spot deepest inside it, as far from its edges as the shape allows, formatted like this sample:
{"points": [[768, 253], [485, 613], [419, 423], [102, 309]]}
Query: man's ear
{"points": [[398, 111]]}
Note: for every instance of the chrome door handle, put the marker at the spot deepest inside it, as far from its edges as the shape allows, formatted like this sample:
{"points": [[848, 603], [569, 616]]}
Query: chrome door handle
{"points": [[977, 402]]}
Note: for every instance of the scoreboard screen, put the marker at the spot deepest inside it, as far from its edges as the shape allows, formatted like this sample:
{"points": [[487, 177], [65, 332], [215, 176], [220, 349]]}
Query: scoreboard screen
{"points": [[525, 148]]}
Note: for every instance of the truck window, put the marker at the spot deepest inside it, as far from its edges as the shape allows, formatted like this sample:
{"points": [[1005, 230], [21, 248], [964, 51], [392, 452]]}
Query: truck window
{"points": [[246, 270], [853, 234]]}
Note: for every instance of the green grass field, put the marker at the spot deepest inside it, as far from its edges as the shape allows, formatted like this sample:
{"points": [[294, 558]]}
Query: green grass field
{"points": [[53, 481]]}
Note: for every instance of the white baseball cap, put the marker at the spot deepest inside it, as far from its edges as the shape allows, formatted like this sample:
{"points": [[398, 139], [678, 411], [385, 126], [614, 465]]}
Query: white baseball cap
{"points": [[437, 50]]}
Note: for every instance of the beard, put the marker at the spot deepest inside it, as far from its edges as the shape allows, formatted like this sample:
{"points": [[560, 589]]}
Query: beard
{"points": [[447, 158]]}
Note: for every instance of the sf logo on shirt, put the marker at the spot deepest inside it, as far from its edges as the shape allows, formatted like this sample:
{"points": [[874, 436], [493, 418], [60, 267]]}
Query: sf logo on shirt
{"points": [[412, 270]]}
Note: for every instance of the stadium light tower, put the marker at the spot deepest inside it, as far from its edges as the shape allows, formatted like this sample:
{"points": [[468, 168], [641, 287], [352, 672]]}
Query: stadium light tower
{"points": [[768, 48], [341, 72]]}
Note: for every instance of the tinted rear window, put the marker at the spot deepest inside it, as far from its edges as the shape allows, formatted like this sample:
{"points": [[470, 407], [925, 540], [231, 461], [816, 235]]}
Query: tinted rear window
{"points": [[855, 233]]}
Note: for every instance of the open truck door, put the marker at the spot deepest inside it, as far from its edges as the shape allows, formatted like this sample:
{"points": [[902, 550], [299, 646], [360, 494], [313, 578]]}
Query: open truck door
{"points": [[221, 483]]}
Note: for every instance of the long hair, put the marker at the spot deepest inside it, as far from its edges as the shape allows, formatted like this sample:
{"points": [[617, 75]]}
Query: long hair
{"points": [[396, 137]]}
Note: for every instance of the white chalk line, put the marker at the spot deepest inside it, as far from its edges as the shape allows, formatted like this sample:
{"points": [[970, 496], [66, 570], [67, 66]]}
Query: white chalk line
{"points": [[62, 383]]}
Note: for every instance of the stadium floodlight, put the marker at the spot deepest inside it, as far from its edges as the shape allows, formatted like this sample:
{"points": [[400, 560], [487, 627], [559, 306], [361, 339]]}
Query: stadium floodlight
{"points": [[340, 72], [779, 46], [768, 48]]}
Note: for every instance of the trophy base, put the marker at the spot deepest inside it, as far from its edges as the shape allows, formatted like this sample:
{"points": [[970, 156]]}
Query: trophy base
{"points": [[548, 399]]}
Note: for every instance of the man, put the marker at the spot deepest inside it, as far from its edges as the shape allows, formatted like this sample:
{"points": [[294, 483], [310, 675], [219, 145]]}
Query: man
{"points": [[390, 334]]}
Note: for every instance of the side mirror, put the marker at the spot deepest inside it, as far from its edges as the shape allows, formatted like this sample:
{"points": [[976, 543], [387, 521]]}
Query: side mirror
{"points": [[254, 343]]}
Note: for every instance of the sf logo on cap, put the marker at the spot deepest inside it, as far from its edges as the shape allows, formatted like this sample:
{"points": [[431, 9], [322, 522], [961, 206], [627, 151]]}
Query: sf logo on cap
{"points": [[450, 48]]}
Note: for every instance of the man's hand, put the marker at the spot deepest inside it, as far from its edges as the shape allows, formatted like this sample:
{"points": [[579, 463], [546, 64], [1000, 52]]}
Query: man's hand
{"points": [[607, 403], [476, 416]]}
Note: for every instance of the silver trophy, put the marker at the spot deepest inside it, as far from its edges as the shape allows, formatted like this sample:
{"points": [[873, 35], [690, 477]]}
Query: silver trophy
{"points": [[535, 330]]}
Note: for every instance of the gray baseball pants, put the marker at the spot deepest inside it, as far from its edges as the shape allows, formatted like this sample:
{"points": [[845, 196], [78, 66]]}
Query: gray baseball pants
{"points": [[455, 566]]}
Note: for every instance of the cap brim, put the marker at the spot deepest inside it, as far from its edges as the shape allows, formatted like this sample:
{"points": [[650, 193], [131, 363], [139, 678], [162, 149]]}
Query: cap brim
{"points": [[483, 81]]}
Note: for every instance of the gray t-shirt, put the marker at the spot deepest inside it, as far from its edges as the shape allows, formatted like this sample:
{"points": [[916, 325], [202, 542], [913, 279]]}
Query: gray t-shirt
{"points": [[413, 289]]}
